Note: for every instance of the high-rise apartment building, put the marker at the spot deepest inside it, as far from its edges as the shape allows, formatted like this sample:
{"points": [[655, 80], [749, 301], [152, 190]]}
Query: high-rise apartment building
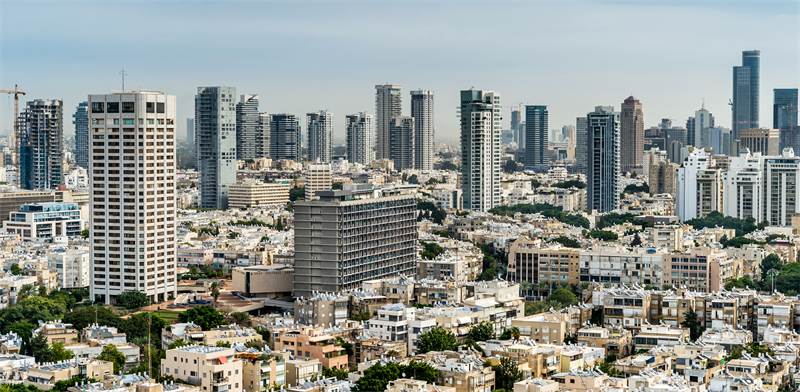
{"points": [[537, 131], [247, 119], [215, 143], [784, 117], [388, 105], [632, 135], [349, 236], [190, 133], [703, 121], [41, 150], [318, 178], [81, 122], [422, 112], [320, 129], [480, 149], [516, 118], [359, 138], [745, 92], [285, 139], [700, 186], [263, 134], [133, 195], [401, 142], [742, 187], [603, 159], [781, 179], [765, 141], [581, 142]]}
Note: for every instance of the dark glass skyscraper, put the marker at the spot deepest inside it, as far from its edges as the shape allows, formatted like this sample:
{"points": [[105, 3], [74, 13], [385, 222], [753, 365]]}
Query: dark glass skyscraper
{"points": [[285, 139], [604, 171], [784, 117], [536, 136], [247, 118], [745, 92], [81, 121], [41, 144]]}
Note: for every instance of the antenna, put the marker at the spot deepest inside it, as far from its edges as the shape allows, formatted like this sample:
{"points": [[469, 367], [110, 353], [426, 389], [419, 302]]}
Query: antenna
{"points": [[122, 73]]}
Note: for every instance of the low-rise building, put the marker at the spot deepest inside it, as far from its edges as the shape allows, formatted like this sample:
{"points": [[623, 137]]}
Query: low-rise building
{"points": [[271, 281], [313, 343], [299, 371], [727, 337], [661, 335], [211, 368], [57, 332], [615, 340], [547, 327], [45, 221], [252, 193]]}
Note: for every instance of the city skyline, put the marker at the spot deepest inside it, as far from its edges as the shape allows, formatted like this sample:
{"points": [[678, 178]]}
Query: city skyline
{"points": [[563, 74]]}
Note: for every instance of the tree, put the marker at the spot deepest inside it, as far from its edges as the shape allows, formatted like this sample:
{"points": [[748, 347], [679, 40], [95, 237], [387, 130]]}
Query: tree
{"points": [[603, 235], [297, 193], [716, 219], [204, 316], [509, 333], [637, 241], [84, 316], [564, 297], [771, 262], [430, 250], [378, 376], [133, 299], [636, 188], [135, 327], [38, 348], [31, 308], [15, 270], [506, 373], [64, 385], [446, 165], [691, 322], [436, 339], [111, 354], [430, 211], [339, 374], [85, 233], [58, 353], [421, 371], [481, 332], [567, 242], [510, 166], [215, 291], [570, 184], [241, 318]]}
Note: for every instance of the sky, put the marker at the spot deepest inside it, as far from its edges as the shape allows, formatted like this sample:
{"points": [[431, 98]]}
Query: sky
{"points": [[304, 56]]}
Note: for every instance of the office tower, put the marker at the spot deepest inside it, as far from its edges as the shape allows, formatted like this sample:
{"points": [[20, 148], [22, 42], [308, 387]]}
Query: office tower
{"points": [[784, 117], [422, 112], [700, 186], [285, 138], [318, 178], [320, 129], [719, 140], [581, 142], [388, 104], [190, 134], [81, 121], [263, 134], [632, 135], [515, 125], [536, 136], [569, 132], [359, 138], [745, 92], [480, 149], [781, 178], [41, 129], [401, 142], [349, 236], [765, 141], [603, 158], [133, 194], [703, 121], [215, 143], [247, 119]]}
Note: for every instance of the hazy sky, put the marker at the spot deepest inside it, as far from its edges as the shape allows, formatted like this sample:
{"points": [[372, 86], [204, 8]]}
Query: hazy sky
{"points": [[302, 56]]}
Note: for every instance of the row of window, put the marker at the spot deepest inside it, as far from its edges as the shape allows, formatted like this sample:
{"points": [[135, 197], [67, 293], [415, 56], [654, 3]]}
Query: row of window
{"points": [[127, 107]]}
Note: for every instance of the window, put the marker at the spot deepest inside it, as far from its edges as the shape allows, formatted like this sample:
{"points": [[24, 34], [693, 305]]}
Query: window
{"points": [[151, 107], [160, 107], [127, 107], [97, 107], [112, 107]]}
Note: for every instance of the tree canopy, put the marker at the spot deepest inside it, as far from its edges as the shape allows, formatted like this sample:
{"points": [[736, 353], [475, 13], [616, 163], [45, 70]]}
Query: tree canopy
{"points": [[481, 332], [133, 299], [436, 339], [378, 376], [546, 210], [111, 354], [506, 373], [204, 316], [716, 219], [430, 211]]}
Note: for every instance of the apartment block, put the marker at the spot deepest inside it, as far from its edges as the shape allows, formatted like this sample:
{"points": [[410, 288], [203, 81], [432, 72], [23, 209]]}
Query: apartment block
{"points": [[253, 193], [214, 369], [45, 221], [313, 343]]}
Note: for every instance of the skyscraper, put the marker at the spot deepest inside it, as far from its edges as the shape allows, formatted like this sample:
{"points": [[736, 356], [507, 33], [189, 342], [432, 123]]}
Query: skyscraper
{"points": [[81, 121], [480, 149], [320, 129], [784, 117], [133, 201], [515, 126], [401, 142], [41, 150], [190, 134], [285, 139], [745, 92], [536, 136], [632, 135], [703, 121], [263, 134], [247, 118], [359, 138], [388, 104], [603, 158], [581, 142], [318, 178], [215, 143], [422, 112]]}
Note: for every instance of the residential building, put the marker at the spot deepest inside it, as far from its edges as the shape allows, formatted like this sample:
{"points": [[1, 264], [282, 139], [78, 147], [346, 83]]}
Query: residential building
{"points": [[300, 371], [318, 178], [663, 177], [702, 122], [57, 332], [631, 135], [388, 105], [603, 160], [616, 341], [537, 131], [190, 135], [424, 128], [699, 186], [45, 221], [147, 205], [650, 336], [262, 371], [546, 327], [349, 236], [391, 323], [581, 145], [784, 116], [73, 267], [529, 262], [215, 143], [313, 343], [247, 118], [359, 138], [211, 368], [743, 187], [321, 309], [81, 122], [41, 130], [516, 130], [263, 134], [11, 201], [401, 142], [480, 149], [253, 193], [285, 137], [765, 141], [781, 176], [320, 131], [746, 84]]}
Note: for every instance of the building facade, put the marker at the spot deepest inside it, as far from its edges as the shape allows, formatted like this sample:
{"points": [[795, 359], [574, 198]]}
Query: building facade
{"points": [[762, 140], [631, 135], [537, 131], [285, 139], [603, 159], [359, 138], [745, 92], [81, 122], [784, 116], [215, 143], [401, 142], [41, 151], [388, 105], [480, 149], [318, 178], [45, 221], [424, 129], [253, 193], [320, 131], [247, 119]]}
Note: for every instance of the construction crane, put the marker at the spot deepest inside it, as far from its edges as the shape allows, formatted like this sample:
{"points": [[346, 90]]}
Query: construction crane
{"points": [[13, 138]]}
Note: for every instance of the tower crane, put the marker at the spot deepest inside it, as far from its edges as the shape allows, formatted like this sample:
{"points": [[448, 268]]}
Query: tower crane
{"points": [[14, 137]]}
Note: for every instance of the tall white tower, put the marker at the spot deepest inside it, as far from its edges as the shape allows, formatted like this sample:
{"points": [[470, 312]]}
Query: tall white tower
{"points": [[480, 149], [133, 195], [422, 112]]}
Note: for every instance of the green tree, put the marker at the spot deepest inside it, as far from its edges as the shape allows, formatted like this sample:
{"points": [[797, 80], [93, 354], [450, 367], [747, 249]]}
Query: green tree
{"points": [[204, 316], [59, 353], [691, 322], [481, 332], [602, 235], [570, 184], [85, 233], [421, 371], [637, 241], [15, 270], [133, 299], [64, 385], [111, 354], [715, 219], [297, 193], [215, 291], [771, 262], [564, 297], [378, 376], [38, 348], [430, 211], [510, 333], [430, 250], [339, 374], [84, 316], [241, 318], [567, 242], [636, 188], [135, 327], [510, 166], [506, 373], [436, 339], [32, 308]]}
